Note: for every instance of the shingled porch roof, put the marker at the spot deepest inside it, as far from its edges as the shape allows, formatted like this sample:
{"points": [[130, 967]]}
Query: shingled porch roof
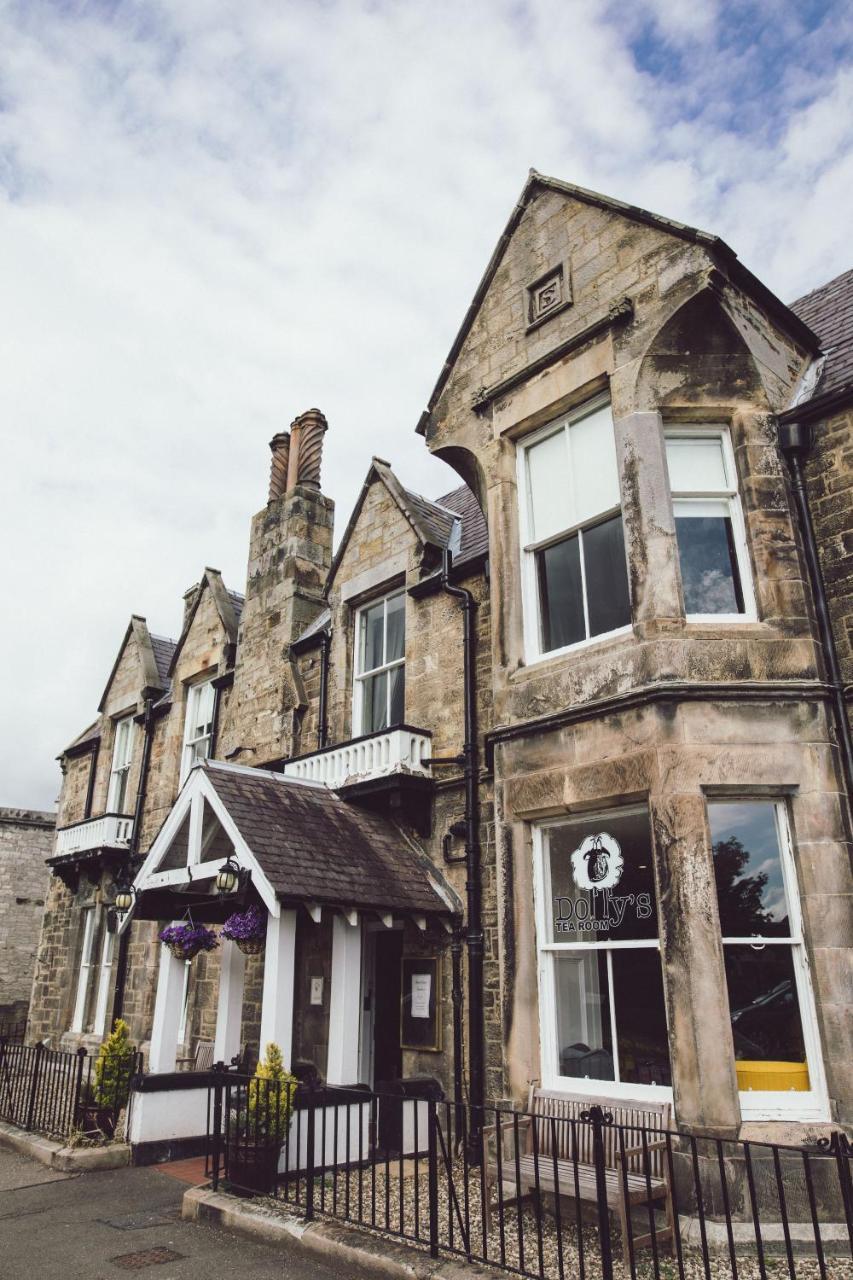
{"points": [[309, 845]]}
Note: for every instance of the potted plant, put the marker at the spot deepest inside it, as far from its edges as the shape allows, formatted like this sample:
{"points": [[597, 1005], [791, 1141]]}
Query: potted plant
{"points": [[258, 1124], [110, 1088], [186, 940], [248, 929]]}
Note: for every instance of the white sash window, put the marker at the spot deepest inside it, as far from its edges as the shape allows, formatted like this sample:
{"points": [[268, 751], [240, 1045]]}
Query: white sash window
{"points": [[84, 977], [380, 665], [117, 800], [574, 570], [198, 725]]}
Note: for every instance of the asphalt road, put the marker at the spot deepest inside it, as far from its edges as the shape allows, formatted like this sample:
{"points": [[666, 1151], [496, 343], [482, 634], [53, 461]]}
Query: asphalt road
{"points": [[95, 1226]]}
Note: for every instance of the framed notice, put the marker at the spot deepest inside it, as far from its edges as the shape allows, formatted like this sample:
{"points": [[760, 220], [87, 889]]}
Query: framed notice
{"points": [[420, 1026]]}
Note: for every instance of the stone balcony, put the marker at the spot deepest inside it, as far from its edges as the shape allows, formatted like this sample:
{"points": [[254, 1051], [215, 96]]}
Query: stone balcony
{"points": [[402, 750], [109, 831]]}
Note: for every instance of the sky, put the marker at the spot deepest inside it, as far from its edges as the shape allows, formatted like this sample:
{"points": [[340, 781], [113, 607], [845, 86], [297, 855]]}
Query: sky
{"points": [[214, 216]]}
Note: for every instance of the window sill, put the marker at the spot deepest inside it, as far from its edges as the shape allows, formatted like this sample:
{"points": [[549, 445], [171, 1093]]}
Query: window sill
{"points": [[604, 1089], [538, 659], [758, 1104], [724, 620]]}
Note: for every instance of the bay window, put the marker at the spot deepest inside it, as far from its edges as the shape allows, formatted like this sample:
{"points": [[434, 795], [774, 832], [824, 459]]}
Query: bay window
{"points": [[575, 577], [380, 665], [117, 800], [601, 1002], [198, 725], [709, 526], [775, 1042]]}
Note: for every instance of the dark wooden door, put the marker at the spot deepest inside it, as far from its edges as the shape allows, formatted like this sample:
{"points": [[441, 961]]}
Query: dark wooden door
{"points": [[387, 1055]]}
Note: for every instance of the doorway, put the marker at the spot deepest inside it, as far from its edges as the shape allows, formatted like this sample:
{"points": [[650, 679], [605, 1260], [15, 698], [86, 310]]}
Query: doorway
{"points": [[382, 1057]]}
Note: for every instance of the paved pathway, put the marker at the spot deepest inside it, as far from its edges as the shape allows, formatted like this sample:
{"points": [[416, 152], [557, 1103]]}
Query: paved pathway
{"points": [[102, 1226]]}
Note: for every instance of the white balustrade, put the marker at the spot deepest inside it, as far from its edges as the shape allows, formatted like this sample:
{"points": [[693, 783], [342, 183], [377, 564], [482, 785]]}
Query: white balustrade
{"points": [[110, 831], [391, 751]]}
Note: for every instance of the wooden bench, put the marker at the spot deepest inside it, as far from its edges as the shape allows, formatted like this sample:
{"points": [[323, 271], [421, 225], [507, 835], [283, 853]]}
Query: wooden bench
{"points": [[645, 1176], [202, 1060]]}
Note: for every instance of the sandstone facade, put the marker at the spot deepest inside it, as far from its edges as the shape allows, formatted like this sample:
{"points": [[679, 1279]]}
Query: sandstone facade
{"points": [[26, 838], [587, 305]]}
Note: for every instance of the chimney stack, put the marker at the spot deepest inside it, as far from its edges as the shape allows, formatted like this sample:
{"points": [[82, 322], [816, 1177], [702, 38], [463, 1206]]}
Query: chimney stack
{"points": [[306, 449], [280, 446]]}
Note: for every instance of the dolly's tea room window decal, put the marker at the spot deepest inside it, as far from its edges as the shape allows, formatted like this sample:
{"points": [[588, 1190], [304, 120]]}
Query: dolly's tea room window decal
{"points": [[601, 1008]]}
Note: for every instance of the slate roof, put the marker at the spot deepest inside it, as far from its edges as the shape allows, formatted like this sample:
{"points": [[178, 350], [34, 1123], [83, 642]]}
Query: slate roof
{"points": [[319, 624], [435, 522], [315, 847], [829, 311], [475, 533], [163, 649]]}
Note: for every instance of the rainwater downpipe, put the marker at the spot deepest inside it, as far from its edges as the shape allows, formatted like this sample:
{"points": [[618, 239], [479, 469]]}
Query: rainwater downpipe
{"points": [[473, 931], [795, 441], [133, 849], [322, 713]]}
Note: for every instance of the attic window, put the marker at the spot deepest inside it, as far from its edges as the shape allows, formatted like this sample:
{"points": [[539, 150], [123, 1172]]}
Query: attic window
{"points": [[548, 294]]}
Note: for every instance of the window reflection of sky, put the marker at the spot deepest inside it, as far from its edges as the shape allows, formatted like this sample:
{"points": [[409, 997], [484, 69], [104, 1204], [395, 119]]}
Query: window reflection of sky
{"points": [[707, 572], [753, 823]]}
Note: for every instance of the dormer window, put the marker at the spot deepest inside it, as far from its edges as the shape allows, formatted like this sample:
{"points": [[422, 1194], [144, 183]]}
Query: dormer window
{"points": [[117, 801], [380, 665], [198, 725]]}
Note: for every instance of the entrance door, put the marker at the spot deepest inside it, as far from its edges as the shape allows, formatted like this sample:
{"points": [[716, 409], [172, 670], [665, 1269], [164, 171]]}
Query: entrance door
{"points": [[387, 1054]]}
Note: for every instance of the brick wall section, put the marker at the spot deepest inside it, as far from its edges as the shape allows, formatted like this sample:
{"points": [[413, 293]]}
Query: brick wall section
{"points": [[829, 480], [26, 838]]}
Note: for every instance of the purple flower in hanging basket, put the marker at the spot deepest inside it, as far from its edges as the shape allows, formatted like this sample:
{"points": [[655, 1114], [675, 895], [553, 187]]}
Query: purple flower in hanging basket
{"points": [[189, 938], [246, 926]]}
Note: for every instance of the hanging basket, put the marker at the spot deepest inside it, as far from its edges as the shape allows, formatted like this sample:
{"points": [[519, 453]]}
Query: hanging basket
{"points": [[251, 946], [183, 951]]}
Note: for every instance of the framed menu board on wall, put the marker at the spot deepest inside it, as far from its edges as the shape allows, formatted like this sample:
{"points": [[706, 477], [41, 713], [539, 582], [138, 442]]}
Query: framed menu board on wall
{"points": [[420, 1025]]}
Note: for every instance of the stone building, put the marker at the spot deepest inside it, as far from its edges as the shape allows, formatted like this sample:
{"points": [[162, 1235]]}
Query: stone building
{"points": [[545, 779], [26, 839]]}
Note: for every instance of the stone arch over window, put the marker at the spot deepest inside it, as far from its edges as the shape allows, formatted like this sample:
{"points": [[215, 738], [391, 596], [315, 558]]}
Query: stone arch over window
{"points": [[699, 358]]}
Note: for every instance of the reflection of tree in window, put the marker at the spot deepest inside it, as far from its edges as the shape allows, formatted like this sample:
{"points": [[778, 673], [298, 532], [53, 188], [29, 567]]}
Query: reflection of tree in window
{"points": [[741, 897]]}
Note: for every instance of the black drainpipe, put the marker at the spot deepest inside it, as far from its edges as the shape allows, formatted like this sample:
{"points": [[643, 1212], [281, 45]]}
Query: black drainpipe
{"points": [[322, 714], [90, 785], [456, 1000], [474, 924], [133, 851], [795, 441]]}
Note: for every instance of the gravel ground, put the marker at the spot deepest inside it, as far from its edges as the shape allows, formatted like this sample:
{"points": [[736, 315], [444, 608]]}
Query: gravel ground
{"points": [[524, 1230]]}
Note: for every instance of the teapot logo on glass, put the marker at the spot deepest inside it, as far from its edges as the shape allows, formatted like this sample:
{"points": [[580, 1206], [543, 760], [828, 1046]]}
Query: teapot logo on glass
{"points": [[597, 862]]}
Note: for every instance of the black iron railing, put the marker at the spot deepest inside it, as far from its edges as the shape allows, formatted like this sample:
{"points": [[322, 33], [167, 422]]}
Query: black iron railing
{"points": [[538, 1195], [57, 1093]]}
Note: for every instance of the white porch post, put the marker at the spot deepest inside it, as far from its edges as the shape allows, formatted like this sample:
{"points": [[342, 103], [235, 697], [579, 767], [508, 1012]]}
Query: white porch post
{"points": [[277, 999], [344, 1002], [229, 1009], [167, 1012]]}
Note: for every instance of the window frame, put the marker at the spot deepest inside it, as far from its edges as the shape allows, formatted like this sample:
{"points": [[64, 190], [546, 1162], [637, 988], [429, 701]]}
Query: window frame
{"points": [[529, 546], [767, 1104], [120, 772], [546, 975], [86, 965], [359, 678], [730, 495], [105, 968], [188, 756]]}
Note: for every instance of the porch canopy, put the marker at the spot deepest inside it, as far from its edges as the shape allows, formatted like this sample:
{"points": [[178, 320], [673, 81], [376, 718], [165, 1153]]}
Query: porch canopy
{"points": [[297, 844]]}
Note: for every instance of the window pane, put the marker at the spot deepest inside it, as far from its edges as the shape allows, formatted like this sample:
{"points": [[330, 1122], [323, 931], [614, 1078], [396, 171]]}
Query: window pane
{"points": [[584, 1042], [595, 478], [641, 1036], [120, 790], [706, 550], [748, 869], [766, 1024], [548, 473], [606, 577], [696, 466], [372, 624], [561, 594], [395, 646], [397, 683], [601, 879], [375, 705]]}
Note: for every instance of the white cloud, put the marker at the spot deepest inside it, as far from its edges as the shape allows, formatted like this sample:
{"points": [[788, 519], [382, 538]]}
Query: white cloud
{"points": [[218, 215]]}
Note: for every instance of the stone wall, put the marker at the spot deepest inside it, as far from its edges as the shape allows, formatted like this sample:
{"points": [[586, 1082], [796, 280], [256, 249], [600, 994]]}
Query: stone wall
{"points": [[26, 837]]}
